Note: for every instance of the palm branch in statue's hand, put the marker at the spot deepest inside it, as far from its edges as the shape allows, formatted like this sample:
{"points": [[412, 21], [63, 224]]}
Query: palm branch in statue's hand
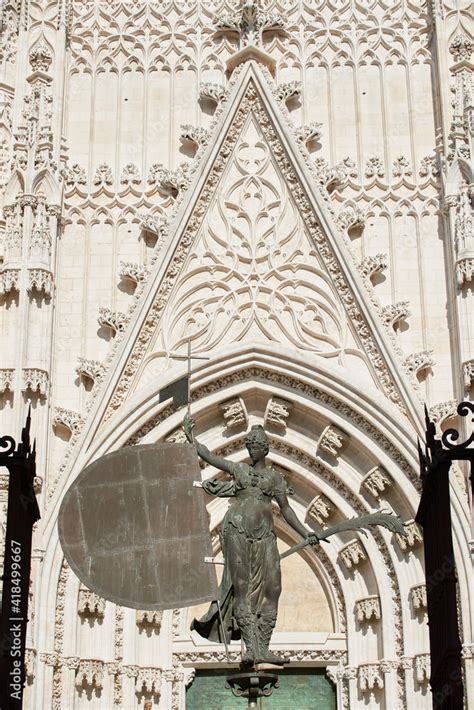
{"points": [[386, 520]]}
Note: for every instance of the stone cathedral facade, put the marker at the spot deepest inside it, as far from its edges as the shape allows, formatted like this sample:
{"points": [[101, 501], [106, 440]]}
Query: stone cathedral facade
{"points": [[289, 185]]}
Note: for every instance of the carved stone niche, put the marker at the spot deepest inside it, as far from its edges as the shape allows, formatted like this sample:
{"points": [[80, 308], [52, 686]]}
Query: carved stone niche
{"points": [[413, 536], [89, 604], [331, 441], [235, 414], [368, 608], [418, 597], [277, 412], [320, 509], [149, 619], [352, 554], [92, 369], [376, 481]]}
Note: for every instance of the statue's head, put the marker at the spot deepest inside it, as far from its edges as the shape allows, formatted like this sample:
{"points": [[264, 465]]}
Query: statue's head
{"points": [[256, 442]]}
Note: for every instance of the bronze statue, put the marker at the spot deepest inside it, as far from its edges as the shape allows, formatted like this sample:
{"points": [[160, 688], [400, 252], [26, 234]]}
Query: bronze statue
{"points": [[251, 583]]}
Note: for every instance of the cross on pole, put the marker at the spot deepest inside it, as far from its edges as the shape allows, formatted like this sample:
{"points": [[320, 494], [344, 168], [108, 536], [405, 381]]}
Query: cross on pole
{"points": [[188, 357]]}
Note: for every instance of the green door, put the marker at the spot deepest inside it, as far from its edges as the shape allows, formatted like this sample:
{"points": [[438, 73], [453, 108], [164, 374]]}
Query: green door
{"points": [[300, 689]]}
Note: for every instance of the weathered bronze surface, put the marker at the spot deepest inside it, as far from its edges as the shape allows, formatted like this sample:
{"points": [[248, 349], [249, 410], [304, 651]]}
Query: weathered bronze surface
{"points": [[135, 530], [251, 582]]}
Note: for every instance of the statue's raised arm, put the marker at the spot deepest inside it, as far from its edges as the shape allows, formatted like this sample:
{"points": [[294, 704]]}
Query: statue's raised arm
{"points": [[218, 461]]}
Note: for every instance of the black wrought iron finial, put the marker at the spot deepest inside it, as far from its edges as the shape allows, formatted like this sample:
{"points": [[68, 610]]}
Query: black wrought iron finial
{"points": [[450, 436]]}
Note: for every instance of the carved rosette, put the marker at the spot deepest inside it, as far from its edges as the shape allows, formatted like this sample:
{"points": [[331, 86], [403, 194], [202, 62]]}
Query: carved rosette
{"points": [[374, 167], [418, 597], [320, 509], [376, 481], [130, 175], [413, 536], [464, 271], [103, 176], [429, 166], [352, 554], [74, 176], [331, 441], [368, 608], [35, 380], [309, 133], [401, 167], [235, 414], [277, 413], [40, 57], [154, 223], [352, 218]]}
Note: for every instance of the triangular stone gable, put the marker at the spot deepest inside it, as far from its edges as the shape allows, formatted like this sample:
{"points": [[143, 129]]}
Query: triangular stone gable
{"points": [[254, 254]]}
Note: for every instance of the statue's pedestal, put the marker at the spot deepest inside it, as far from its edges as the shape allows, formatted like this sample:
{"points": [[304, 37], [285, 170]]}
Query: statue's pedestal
{"points": [[255, 684]]}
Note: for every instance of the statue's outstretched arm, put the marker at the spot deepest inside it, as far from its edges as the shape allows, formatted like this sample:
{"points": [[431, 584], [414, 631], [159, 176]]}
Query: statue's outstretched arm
{"points": [[218, 461], [291, 518]]}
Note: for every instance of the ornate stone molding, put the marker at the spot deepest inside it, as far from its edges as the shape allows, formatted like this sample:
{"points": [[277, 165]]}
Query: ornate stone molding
{"points": [[418, 597], [289, 90], [370, 677], [277, 413], [401, 167], [177, 437], [376, 481], [103, 176], [93, 369], [195, 135], [169, 181], [133, 272], [146, 619], [368, 608], [67, 418], [40, 57], [418, 362], [464, 270], [115, 320], [293, 656], [320, 509], [9, 281], [331, 441], [352, 217], [394, 313], [422, 665], [90, 604], [74, 176], [442, 411], [309, 133], [461, 47], [212, 92], [468, 373], [130, 175], [429, 167], [89, 674], [40, 280], [235, 414], [372, 265], [30, 664], [352, 554], [374, 167], [413, 536], [156, 223], [7, 375], [35, 380]]}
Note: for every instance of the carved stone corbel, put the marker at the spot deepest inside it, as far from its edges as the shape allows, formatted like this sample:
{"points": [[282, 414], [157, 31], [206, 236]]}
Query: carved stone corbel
{"points": [[320, 509], [352, 554], [235, 414], [413, 536], [331, 441], [368, 608], [376, 481], [277, 412]]}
